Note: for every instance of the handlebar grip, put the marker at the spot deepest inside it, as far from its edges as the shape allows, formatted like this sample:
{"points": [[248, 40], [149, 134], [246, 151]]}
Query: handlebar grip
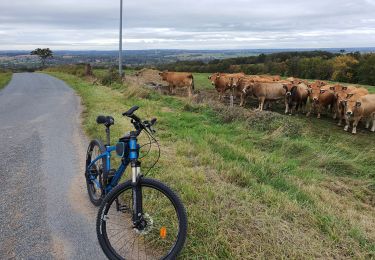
{"points": [[130, 111], [101, 119]]}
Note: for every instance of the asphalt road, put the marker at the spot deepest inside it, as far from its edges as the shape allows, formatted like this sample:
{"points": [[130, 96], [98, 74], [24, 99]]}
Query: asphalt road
{"points": [[45, 212]]}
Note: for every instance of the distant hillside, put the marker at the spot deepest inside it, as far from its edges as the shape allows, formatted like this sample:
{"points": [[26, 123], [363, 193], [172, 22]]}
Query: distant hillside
{"points": [[21, 59]]}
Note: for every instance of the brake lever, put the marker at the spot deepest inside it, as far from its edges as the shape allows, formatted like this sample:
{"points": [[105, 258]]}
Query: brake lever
{"points": [[148, 125]]}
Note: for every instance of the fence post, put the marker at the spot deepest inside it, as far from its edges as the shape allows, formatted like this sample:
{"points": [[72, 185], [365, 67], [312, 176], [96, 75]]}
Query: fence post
{"points": [[231, 98]]}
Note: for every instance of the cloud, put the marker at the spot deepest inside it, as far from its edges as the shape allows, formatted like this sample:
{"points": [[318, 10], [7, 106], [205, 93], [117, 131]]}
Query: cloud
{"points": [[205, 24]]}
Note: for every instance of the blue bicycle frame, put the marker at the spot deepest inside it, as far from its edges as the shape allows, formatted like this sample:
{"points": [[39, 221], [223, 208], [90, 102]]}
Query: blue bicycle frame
{"points": [[131, 156]]}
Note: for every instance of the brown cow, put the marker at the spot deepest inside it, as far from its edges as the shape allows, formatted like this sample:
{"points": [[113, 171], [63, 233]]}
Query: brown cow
{"points": [[320, 99], [341, 95], [179, 80], [223, 81], [264, 91], [296, 96], [241, 84], [358, 107]]}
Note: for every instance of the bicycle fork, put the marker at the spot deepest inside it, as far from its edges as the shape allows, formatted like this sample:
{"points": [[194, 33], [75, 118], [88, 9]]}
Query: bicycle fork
{"points": [[137, 196]]}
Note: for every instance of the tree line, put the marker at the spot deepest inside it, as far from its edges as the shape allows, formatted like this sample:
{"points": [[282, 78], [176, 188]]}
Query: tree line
{"points": [[351, 67]]}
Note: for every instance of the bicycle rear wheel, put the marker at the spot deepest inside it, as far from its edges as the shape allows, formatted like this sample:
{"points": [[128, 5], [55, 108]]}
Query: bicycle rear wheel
{"points": [[166, 223], [94, 175]]}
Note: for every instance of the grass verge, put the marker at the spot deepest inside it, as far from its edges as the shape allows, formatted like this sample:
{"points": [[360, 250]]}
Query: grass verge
{"points": [[5, 78], [254, 185]]}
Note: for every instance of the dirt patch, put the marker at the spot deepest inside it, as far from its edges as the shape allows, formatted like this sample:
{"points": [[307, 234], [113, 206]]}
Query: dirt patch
{"points": [[149, 77], [60, 248]]}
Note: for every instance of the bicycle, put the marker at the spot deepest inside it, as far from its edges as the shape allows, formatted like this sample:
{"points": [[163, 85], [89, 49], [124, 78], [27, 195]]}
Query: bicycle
{"points": [[137, 209]]}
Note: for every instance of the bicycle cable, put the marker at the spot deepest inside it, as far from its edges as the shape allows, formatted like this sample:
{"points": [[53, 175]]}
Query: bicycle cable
{"points": [[157, 159]]}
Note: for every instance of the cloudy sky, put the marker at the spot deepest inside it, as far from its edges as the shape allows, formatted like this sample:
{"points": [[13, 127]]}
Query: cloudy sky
{"points": [[186, 24]]}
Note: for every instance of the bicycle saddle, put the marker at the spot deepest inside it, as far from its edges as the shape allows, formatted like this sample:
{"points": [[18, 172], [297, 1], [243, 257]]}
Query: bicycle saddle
{"points": [[106, 120]]}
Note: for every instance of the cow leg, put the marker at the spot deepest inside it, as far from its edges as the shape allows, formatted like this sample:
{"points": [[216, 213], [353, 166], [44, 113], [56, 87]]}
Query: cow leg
{"points": [[373, 123], [335, 113], [340, 120], [368, 123], [355, 123], [286, 106], [346, 128], [241, 99], [261, 103], [319, 109], [294, 108], [312, 108]]}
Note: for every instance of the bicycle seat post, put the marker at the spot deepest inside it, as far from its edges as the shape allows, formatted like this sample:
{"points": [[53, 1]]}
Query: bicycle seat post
{"points": [[108, 135]]}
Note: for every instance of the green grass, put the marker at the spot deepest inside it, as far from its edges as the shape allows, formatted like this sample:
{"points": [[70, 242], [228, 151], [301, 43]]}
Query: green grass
{"points": [[201, 81], [254, 185], [5, 77]]}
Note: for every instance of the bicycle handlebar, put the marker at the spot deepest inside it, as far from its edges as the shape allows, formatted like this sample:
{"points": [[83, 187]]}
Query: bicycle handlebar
{"points": [[130, 111], [137, 122]]}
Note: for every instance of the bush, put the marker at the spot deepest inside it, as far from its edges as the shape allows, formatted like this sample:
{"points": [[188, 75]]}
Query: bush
{"points": [[76, 70], [112, 76]]}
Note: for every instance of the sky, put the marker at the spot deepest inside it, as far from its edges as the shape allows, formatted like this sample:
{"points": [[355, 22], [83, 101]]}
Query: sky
{"points": [[186, 24]]}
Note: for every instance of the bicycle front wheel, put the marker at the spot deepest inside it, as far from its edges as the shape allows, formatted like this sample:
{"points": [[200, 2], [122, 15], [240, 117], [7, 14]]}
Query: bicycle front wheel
{"points": [[165, 219]]}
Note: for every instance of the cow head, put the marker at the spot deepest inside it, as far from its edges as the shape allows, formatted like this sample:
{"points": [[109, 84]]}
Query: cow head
{"points": [[248, 87], [288, 88], [163, 74], [214, 77], [341, 96], [320, 83], [351, 105], [235, 81], [314, 94]]}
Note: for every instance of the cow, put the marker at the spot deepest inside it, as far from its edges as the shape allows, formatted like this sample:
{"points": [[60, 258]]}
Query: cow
{"points": [[358, 107], [341, 95], [296, 96], [240, 85], [266, 91], [223, 81], [320, 98], [178, 80]]}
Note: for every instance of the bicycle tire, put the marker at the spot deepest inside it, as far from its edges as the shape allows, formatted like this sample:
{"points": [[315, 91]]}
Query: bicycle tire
{"points": [[95, 199], [115, 195]]}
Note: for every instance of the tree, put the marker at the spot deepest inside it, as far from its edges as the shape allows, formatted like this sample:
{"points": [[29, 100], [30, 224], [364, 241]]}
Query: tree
{"points": [[344, 68], [43, 54], [366, 69]]}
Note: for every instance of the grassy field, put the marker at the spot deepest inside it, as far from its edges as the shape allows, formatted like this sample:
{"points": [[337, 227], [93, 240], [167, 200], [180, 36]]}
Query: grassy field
{"points": [[5, 77], [255, 185]]}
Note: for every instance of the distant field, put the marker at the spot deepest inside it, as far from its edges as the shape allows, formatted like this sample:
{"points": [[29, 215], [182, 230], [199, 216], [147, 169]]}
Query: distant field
{"points": [[255, 185], [5, 77]]}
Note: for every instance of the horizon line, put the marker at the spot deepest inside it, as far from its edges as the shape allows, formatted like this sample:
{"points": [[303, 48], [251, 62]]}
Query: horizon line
{"points": [[182, 49]]}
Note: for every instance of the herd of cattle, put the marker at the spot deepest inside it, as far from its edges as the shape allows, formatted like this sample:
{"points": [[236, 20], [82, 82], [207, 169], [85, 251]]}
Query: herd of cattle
{"points": [[350, 103]]}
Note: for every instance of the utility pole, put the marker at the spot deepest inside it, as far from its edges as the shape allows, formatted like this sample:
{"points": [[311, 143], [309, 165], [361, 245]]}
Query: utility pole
{"points": [[120, 43]]}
